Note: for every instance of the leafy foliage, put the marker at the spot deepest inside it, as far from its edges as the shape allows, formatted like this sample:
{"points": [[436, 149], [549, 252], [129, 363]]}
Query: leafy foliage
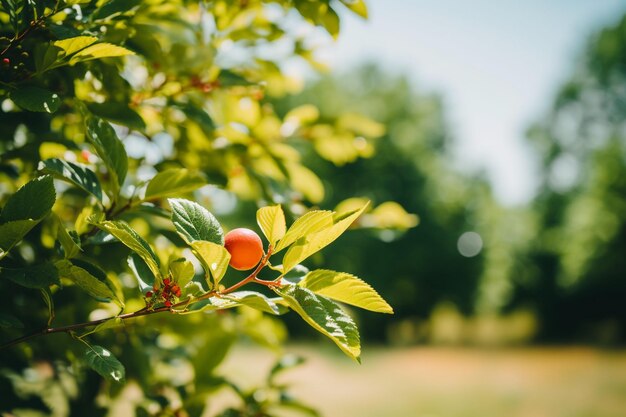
{"points": [[125, 125]]}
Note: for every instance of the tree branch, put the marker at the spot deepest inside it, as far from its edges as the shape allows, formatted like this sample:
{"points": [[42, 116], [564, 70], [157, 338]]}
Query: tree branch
{"points": [[147, 311]]}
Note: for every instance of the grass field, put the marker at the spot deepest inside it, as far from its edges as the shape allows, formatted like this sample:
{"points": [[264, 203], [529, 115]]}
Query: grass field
{"points": [[452, 382]]}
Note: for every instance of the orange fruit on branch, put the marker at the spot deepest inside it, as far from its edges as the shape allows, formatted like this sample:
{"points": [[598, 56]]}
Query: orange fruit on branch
{"points": [[245, 248]]}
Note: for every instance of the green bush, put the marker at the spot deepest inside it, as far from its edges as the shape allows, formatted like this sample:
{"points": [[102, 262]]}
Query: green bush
{"points": [[121, 121]]}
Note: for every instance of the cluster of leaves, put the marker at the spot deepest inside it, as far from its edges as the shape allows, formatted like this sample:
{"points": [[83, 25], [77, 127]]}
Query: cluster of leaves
{"points": [[116, 118]]}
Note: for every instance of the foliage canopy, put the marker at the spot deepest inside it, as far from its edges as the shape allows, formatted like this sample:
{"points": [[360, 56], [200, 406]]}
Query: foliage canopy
{"points": [[121, 122]]}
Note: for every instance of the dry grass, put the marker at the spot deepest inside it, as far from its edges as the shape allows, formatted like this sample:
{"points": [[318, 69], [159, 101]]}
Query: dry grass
{"points": [[451, 382]]}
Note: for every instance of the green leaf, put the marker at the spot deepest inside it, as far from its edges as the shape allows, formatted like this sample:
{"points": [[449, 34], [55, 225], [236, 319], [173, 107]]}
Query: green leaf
{"points": [[79, 175], [212, 304], [114, 8], [8, 321], [214, 259], [109, 147], [173, 182], [182, 271], [86, 281], [33, 201], [357, 6], [70, 242], [118, 112], [103, 362], [346, 288], [145, 277], [330, 21], [99, 50], [310, 222], [271, 220], [306, 182], [312, 243], [37, 276], [129, 237], [24, 209], [45, 57], [194, 222], [12, 233], [36, 99], [72, 45], [98, 273], [255, 300], [295, 274], [198, 115], [325, 316]]}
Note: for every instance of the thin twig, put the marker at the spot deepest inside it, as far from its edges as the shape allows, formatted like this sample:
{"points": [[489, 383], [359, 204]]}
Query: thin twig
{"points": [[147, 311]]}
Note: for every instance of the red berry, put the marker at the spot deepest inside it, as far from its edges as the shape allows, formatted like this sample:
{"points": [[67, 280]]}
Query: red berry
{"points": [[6, 61], [166, 281], [168, 303], [149, 294], [245, 248]]}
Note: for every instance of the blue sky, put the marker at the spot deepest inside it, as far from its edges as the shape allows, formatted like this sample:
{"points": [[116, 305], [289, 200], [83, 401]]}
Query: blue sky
{"points": [[496, 63]]}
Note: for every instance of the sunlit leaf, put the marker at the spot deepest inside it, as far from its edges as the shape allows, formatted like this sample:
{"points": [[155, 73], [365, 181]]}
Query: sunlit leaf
{"points": [[212, 304], [173, 182], [306, 182], [194, 222], [69, 242], [182, 271], [310, 222], [99, 50], [109, 147], [214, 259], [347, 288], [75, 44], [357, 6], [324, 316], [76, 174], [129, 237], [89, 283], [32, 201], [271, 220], [312, 243], [11, 233], [254, 300]]}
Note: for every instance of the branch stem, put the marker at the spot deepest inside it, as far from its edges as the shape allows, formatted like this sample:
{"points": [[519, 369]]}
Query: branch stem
{"points": [[148, 311]]}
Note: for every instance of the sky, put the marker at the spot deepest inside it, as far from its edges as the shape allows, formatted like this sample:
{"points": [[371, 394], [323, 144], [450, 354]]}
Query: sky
{"points": [[497, 65]]}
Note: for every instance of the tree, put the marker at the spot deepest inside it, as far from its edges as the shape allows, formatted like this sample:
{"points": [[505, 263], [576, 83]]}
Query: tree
{"points": [[120, 120], [577, 282]]}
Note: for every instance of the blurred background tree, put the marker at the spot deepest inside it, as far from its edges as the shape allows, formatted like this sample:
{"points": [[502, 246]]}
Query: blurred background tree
{"points": [[413, 166], [575, 271]]}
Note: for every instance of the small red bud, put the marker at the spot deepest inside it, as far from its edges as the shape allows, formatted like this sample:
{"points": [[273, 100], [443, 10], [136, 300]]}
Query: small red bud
{"points": [[166, 281], [178, 292], [6, 61], [168, 303], [149, 294]]}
